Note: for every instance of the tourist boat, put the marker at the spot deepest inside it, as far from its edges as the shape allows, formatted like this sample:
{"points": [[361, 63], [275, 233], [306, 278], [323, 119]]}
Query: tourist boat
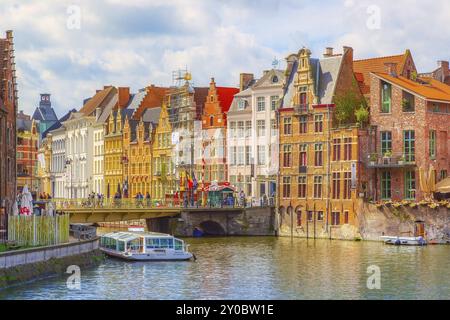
{"points": [[144, 246], [406, 241]]}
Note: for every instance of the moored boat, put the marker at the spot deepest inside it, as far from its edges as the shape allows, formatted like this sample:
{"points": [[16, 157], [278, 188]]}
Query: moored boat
{"points": [[144, 246], [406, 241]]}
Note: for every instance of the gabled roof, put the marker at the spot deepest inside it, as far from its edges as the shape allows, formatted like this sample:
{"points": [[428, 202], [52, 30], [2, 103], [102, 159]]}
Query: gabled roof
{"points": [[268, 75], [362, 68], [45, 113], [150, 97], [96, 101], [325, 71], [200, 95], [58, 124], [430, 89], [226, 96]]}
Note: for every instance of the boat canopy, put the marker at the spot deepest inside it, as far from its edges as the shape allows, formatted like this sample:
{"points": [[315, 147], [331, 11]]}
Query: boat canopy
{"points": [[127, 236]]}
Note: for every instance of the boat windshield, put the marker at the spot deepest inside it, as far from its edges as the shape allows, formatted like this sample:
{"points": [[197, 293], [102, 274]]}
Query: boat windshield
{"points": [[164, 243], [134, 245]]}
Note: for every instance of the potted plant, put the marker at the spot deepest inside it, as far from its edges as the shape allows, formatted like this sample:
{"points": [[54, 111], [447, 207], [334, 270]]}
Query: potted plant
{"points": [[388, 203], [423, 203], [413, 205], [379, 205], [373, 159], [397, 204], [433, 205], [401, 159], [387, 157]]}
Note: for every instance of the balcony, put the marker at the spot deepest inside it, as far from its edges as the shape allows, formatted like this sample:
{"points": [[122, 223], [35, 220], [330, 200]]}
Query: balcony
{"points": [[390, 160], [301, 109]]}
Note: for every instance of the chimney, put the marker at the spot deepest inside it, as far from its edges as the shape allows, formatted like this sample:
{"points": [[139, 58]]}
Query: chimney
{"points": [[328, 52], [124, 96], [391, 69], [244, 80], [9, 34], [348, 53], [444, 65]]}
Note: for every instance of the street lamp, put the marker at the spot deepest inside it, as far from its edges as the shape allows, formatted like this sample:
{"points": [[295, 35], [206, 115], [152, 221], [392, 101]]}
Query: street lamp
{"points": [[69, 163]]}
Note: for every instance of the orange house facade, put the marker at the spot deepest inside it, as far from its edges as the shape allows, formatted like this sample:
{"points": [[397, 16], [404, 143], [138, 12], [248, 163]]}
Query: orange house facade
{"points": [[319, 180], [211, 155]]}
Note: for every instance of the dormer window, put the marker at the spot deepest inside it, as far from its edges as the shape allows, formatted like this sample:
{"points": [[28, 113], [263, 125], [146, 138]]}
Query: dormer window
{"points": [[274, 79], [241, 104]]}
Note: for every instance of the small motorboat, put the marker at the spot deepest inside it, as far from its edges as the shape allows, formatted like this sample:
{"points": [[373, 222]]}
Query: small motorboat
{"points": [[404, 241], [144, 246]]}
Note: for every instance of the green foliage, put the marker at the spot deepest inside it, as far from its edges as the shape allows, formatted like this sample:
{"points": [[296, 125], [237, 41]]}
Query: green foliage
{"points": [[362, 115], [346, 106]]}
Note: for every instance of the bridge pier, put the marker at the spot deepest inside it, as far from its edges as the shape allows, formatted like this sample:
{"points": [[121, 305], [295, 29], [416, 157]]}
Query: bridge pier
{"points": [[213, 222]]}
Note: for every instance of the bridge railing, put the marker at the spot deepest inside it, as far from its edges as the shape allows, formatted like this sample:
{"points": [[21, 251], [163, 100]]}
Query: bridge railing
{"points": [[131, 203]]}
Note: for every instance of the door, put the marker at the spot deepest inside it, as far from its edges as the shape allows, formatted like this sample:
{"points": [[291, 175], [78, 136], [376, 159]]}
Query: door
{"points": [[419, 229]]}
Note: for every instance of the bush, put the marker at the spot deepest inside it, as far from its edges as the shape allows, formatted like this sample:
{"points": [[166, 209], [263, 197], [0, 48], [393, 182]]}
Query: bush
{"points": [[346, 108]]}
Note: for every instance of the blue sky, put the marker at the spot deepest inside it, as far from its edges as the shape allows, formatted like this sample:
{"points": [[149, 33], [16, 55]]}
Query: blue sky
{"points": [[139, 42]]}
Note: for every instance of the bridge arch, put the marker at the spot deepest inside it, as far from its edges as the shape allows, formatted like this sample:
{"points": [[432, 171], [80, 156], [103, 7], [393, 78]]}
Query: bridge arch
{"points": [[212, 228]]}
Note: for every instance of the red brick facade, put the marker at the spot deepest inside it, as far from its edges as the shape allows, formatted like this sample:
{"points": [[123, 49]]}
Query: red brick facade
{"points": [[421, 121], [8, 111]]}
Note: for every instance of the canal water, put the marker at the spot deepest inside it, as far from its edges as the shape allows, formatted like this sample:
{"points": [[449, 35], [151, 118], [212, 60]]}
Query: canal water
{"points": [[263, 268]]}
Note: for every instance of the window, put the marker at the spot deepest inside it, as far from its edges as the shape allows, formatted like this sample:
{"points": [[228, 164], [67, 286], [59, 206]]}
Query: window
{"points": [[302, 187], [261, 104], [347, 148], [386, 185], [273, 102], [432, 144], [248, 128], [233, 155], [303, 124], [240, 128], [317, 187], [347, 185], [211, 121], [232, 129], [240, 156], [443, 174], [303, 155], [248, 155], [408, 102], [286, 187], [386, 142], [287, 125], [336, 182], [261, 155], [318, 123], [274, 79], [287, 155], [336, 149], [409, 145], [273, 127], [261, 126], [345, 217], [335, 218], [318, 154], [410, 185], [309, 216], [386, 89], [319, 215], [241, 104], [299, 218]]}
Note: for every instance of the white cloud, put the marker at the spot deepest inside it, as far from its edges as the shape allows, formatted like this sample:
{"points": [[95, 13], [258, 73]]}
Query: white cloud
{"points": [[138, 42]]}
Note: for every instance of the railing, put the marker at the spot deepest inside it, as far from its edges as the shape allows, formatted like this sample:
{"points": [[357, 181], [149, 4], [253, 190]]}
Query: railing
{"points": [[390, 160], [130, 203], [302, 108]]}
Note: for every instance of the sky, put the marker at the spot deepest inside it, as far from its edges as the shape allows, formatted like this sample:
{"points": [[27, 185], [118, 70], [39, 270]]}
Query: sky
{"points": [[70, 48]]}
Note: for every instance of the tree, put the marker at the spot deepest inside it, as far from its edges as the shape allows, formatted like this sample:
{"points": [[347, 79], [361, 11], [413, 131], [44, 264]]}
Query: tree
{"points": [[346, 107]]}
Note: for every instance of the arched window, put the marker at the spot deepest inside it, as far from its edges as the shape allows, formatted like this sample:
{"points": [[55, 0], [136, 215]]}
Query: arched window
{"points": [[211, 121]]}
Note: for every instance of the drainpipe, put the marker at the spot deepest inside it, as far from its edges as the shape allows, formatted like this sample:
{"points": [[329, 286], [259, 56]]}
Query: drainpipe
{"points": [[328, 169]]}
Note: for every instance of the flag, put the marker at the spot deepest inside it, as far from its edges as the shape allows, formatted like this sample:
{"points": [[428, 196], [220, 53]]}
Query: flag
{"points": [[194, 182], [190, 183]]}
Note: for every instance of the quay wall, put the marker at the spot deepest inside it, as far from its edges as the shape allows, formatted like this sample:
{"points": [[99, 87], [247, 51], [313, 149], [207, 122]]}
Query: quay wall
{"points": [[373, 222], [30, 264]]}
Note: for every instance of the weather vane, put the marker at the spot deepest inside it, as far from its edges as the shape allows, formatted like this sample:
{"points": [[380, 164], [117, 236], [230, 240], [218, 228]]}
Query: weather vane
{"points": [[275, 63]]}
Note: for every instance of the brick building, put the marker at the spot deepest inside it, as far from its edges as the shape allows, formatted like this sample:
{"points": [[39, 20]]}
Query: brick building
{"points": [[409, 134], [27, 150], [441, 73], [211, 151], [319, 158], [8, 111]]}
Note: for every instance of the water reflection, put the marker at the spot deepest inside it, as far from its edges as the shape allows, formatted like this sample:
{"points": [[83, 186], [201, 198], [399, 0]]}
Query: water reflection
{"points": [[263, 268]]}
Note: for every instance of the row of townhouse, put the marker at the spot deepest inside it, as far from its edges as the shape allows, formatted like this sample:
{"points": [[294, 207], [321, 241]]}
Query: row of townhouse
{"points": [[292, 134], [331, 160]]}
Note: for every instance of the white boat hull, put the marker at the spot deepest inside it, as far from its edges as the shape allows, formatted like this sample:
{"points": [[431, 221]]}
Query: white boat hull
{"points": [[405, 241], [163, 255]]}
